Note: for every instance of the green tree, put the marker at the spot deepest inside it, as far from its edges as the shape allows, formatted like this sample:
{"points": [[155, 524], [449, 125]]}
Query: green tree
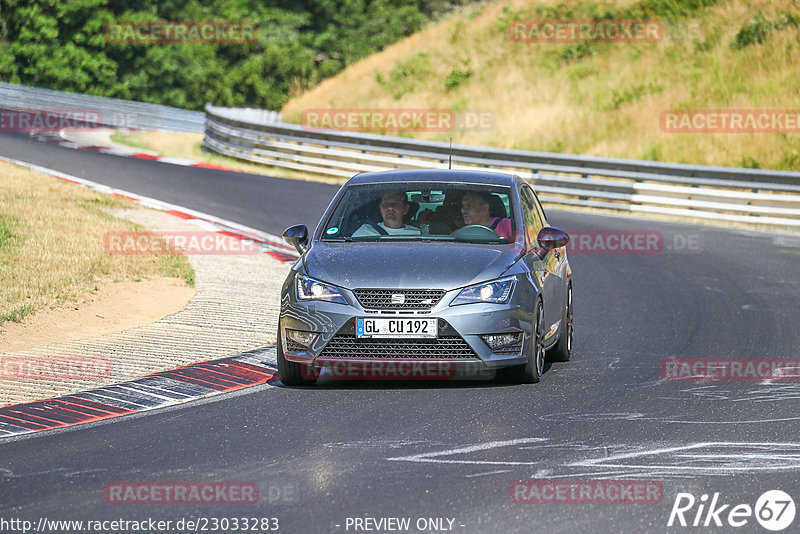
{"points": [[60, 44]]}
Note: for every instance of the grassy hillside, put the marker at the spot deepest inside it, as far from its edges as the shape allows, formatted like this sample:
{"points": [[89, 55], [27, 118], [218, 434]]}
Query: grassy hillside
{"points": [[601, 99]]}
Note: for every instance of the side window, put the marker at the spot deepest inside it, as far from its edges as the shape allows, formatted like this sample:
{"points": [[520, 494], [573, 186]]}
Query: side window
{"points": [[533, 222], [539, 209]]}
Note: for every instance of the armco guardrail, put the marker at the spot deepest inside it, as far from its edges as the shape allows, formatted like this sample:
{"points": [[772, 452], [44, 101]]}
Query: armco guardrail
{"points": [[716, 193], [110, 111]]}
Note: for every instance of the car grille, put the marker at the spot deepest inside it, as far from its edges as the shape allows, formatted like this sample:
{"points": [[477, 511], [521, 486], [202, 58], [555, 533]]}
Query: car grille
{"points": [[445, 347], [294, 346], [414, 299], [513, 349]]}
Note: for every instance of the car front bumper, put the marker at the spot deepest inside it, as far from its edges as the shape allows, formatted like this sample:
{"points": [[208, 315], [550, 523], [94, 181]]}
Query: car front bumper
{"points": [[460, 327]]}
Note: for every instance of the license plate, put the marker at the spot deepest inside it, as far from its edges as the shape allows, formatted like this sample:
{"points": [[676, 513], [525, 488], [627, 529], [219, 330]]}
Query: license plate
{"points": [[396, 328]]}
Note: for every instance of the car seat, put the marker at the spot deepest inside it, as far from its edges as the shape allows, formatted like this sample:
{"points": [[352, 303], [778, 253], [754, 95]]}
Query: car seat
{"points": [[413, 208], [364, 214], [496, 207]]}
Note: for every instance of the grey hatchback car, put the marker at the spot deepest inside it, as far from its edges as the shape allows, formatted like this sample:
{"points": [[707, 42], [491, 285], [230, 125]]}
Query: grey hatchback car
{"points": [[426, 274]]}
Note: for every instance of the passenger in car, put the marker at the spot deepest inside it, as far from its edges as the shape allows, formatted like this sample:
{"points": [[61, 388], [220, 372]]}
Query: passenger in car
{"points": [[447, 217], [394, 207], [476, 208]]}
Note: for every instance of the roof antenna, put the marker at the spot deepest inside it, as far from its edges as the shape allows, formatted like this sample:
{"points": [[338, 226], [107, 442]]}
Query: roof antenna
{"points": [[450, 159]]}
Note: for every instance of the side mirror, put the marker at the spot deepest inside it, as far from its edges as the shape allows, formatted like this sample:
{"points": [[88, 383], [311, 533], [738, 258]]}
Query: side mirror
{"points": [[550, 238], [297, 236]]}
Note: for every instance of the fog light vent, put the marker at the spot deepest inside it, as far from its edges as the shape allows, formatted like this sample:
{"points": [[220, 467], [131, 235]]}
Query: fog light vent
{"points": [[305, 339], [508, 343]]}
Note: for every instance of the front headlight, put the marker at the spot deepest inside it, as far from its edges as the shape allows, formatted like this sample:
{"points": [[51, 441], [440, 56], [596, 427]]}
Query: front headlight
{"points": [[311, 289], [497, 292]]}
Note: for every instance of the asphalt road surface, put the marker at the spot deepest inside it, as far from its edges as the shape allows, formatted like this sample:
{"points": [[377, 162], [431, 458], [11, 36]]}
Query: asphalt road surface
{"points": [[444, 456]]}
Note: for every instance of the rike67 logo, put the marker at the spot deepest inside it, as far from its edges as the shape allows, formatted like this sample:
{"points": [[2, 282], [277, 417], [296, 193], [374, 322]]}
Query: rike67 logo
{"points": [[774, 510]]}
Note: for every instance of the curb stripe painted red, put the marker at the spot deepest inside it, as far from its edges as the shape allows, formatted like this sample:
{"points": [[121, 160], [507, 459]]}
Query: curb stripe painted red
{"points": [[56, 139], [159, 389], [153, 391], [266, 246]]}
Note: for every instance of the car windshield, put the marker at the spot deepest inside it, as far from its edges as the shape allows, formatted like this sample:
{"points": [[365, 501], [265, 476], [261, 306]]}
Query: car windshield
{"points": [[405, 211]]}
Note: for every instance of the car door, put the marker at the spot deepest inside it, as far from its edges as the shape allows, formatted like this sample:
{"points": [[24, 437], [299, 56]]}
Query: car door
{"points": [[548, 268]]}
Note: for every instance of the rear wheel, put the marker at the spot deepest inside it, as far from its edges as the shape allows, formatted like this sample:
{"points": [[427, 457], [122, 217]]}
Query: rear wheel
{"points": [[563, 348], [532, 371], [290, 373]]}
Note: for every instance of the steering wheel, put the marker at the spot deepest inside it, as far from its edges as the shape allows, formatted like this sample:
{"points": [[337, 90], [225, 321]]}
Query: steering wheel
{"points": [[475, 231]]}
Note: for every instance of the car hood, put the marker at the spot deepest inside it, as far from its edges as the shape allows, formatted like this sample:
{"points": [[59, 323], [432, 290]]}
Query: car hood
{"points": [[408, 265]]}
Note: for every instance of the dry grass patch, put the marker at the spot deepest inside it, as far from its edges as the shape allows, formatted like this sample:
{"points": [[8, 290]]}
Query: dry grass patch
{"points": [[601, 99], [51, 244]]}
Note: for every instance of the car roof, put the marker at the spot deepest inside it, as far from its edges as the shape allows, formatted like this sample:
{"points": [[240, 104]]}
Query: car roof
{"points": [[434, 175]]}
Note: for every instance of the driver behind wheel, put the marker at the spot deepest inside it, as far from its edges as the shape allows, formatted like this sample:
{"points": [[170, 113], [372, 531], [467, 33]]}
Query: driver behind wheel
{"points": [[475, 209], [394, 207]]}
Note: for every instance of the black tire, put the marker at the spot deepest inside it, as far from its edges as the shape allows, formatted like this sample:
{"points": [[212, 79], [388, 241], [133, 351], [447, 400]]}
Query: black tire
{"points": [[531, 372], [290, 373], [563, 348]]}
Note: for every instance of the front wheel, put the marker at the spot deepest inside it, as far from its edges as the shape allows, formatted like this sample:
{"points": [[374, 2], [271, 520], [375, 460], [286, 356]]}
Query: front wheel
{"points": [[561, 352], [532, 371], [290, 373]]}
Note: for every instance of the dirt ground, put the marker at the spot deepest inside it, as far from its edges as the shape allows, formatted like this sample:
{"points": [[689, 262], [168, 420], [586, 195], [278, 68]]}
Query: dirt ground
{"points": [[114, 307]]}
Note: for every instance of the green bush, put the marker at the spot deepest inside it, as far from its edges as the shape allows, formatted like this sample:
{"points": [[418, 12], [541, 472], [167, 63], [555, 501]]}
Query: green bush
{"points": [[754, 31], [620, 97], [576, 52], [457, 77], [405, 75], [750, 162], [757, 29]]}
